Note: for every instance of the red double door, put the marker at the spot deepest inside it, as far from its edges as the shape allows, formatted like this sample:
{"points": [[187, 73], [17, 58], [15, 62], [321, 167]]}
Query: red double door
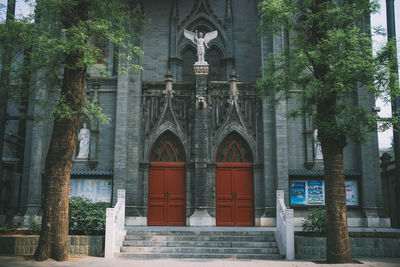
{"points": [[167, 194], [234, 195]]}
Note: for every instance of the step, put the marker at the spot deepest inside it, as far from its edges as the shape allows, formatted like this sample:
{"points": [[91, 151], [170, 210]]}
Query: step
{"points": [[199, 250], [200, 256], [199, 238], [200, 242], [196, 243], [202, 233]]}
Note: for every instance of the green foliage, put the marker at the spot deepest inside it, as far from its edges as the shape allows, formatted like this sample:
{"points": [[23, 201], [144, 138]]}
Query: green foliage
{"points": [[11, 226], [93, 109], [42, 44], [315, 221], [34, 228], [87, 217], [326, 58]]}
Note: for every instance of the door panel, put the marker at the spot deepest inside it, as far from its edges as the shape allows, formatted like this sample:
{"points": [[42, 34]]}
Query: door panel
{"points": [[157, 202], [167, 195], [244, 197], [176, 191], [234, 196], [224, 197]]}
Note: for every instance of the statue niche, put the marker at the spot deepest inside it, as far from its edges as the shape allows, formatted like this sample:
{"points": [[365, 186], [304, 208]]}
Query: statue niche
{"points": [[212, 57]]}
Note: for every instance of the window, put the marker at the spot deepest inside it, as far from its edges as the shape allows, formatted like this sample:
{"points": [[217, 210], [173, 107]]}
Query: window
{"points": [[188, 59], [167, 148], [234, 149]]}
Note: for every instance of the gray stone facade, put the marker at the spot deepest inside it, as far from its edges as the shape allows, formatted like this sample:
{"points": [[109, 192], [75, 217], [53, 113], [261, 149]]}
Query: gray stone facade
{"points": [[142, 110]]}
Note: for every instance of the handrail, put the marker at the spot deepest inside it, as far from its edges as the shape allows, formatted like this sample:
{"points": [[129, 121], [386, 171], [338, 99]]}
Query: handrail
{"points": [[115, 226], [284, 226]]}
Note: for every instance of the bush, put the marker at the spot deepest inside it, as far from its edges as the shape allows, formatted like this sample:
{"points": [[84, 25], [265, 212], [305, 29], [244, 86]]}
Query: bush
{"points": [[34, 228], [87, 217], [315, 221], [11, 226]]}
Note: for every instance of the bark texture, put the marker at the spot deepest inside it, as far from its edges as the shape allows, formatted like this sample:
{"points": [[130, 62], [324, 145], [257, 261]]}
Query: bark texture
{"points": [[53, 242], [338, 243]]}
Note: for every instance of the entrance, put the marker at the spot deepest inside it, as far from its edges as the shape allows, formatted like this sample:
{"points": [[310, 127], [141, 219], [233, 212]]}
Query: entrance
{"points": [[167, 183], [234, 183]]}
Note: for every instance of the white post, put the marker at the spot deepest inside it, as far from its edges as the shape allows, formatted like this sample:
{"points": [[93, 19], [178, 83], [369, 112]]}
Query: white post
{"points": [[289, 234], [121, 218], [110, 237], [279, 195], [115, 226], [284, 226]]}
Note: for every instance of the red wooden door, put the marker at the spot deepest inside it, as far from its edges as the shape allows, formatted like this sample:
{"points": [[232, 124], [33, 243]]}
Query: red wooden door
{"points": [[167, 183], [167, 195], [234, 185], [234, 196]]}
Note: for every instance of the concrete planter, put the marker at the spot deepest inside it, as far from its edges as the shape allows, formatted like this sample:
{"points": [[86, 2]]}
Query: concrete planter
{"points": [[361, 244], [27, 244]]}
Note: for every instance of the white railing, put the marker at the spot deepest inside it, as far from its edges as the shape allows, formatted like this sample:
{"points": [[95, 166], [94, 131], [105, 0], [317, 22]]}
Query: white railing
{"points": [[284, 227], [115, 226]]}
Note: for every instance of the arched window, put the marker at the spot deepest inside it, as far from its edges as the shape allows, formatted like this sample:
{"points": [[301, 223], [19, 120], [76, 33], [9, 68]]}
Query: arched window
{"points": [[217, 66], [234, 149], [167, 148], [188, 59]]}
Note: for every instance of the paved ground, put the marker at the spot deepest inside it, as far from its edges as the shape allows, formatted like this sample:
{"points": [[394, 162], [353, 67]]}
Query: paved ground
{"points": [[12, 261]]}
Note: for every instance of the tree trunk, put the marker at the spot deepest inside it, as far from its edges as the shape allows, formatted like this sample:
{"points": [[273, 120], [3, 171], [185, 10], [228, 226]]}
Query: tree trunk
{"points": [[338, 244], [53, 242]]}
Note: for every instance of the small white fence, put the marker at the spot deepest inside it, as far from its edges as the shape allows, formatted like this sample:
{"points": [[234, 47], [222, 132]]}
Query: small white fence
{"points": [[284, 227], [115, 226]]}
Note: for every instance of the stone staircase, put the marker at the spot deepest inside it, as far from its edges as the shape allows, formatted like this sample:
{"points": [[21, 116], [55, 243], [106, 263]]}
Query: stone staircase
{"points": [[199, 242]]}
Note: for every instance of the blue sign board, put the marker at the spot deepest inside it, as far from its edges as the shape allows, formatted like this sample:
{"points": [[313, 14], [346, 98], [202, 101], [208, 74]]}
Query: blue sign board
{"points": [[298, 193]]}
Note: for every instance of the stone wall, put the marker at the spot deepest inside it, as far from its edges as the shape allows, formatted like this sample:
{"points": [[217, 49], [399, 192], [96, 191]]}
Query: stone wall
{"points": [[361, 246], [26, 245]]}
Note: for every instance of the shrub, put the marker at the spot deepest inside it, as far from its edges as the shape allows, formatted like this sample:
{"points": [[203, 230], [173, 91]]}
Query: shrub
{"points": [[87, 217], [11, 226], [34, 228], [315, 221]]}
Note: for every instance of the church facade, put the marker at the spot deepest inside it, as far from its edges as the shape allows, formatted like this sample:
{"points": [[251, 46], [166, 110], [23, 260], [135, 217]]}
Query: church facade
{"points": [[195, 145]]}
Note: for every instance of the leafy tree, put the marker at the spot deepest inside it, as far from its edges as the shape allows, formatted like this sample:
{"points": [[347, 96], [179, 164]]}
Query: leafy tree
{"points": [[328, 61], [62, 43]]}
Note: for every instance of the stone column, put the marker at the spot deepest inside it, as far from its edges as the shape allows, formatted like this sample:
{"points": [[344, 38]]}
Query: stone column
{"points": [[201, 217]]}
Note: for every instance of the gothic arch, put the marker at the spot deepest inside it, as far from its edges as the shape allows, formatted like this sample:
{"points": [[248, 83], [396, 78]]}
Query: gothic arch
{"points": [[205, 24], [237, 131], [215, 57], [188, 59], [202, 23], [166, 128], [167, 148], [234, 148]]}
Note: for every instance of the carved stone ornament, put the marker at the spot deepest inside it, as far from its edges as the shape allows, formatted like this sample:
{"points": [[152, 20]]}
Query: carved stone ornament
{"points": [[279, 194], [289, 213], [121, 193], [109, 212], [201, 70]]}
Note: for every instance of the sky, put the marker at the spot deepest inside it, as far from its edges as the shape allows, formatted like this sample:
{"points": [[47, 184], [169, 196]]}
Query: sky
{"points": [[379, 19]]}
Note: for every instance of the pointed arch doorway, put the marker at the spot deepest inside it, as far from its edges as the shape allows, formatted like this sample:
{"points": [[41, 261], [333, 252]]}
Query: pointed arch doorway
{"points": [[167, 182], [234, 183]]}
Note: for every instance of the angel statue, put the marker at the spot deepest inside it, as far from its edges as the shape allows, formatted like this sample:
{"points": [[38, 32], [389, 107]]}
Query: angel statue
{"points": [[201, 42]]}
